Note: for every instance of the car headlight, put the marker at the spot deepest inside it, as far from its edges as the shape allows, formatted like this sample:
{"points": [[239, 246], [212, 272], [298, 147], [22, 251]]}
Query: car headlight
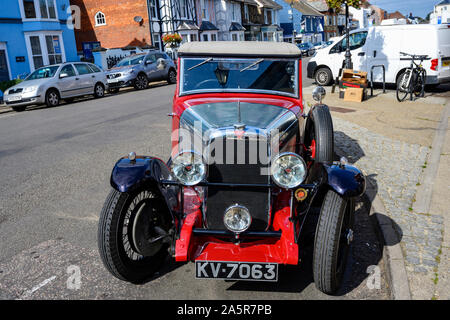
{"points": [[237, 218], [189, 168], [288, 170], [29, 89]]}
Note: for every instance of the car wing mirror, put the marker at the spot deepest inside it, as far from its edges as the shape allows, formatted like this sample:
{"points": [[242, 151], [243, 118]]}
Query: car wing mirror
{"points": [[63, 75]]}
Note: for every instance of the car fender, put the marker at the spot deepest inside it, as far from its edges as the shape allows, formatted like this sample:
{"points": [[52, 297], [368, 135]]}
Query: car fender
{"points": [[346, 180], [129, 175]]}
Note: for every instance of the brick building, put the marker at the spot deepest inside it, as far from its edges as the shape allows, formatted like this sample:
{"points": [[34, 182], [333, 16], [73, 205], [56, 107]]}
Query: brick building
{"points": [[113, 23]]}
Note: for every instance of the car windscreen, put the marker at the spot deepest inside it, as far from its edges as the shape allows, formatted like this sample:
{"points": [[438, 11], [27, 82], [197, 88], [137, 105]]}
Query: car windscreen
{"points": [[130, 61], [43, 73], [226, 114], [277, 76]]}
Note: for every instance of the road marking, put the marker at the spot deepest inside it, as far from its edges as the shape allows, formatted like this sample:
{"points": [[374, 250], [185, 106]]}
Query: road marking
{"points": [[28, 293]]}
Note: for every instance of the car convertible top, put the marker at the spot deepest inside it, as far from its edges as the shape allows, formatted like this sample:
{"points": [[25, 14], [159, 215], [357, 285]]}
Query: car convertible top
{"points": [[240, 49]]}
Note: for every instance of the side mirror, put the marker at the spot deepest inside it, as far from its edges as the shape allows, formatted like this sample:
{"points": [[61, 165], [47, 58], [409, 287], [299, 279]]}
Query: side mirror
{"points": [[147, 62], [63, 75], [319, 93]]}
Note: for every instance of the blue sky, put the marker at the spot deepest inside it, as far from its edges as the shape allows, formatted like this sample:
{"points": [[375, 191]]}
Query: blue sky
{"points": [[418, 7]]}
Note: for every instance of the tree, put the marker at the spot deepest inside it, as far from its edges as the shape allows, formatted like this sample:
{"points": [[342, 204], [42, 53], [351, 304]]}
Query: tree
{"points": [[337, 5]]}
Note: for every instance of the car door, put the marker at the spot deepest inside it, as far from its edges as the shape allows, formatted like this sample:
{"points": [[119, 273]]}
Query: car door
{"points": [[67, 84], [358, 50], [150, 67], [84, 80]]}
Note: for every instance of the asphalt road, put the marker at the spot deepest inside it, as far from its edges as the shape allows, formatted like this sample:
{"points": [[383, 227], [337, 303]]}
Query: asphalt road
{"points": [[55, 167]]}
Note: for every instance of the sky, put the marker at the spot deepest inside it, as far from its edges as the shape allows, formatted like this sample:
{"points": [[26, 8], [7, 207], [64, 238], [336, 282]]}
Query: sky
{"points": [[418, 8]]}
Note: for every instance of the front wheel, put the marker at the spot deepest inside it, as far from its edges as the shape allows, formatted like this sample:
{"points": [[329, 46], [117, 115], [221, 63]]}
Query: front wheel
{"points": [[334, 234], [52, 98], [323, 77], [141, 82], [132, 234], [319, 135], [403, 88]]}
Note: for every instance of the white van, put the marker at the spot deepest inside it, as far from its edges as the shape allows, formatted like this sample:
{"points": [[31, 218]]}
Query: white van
{"points": [[382, 45]]}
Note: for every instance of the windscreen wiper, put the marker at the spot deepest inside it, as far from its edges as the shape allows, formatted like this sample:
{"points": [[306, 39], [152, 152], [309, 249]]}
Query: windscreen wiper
{"points": [[252, 65], [200, 64]]}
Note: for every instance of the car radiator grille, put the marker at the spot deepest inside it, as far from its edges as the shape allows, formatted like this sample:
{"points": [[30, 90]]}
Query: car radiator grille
{"points": [[255, 199]]}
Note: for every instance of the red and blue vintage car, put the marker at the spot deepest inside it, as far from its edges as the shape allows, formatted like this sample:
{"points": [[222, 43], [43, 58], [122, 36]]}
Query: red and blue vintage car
{"points": [[248, 162]]}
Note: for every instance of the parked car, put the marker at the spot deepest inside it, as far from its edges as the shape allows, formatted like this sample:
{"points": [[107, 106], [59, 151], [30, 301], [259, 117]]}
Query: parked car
{"points": [[381, 45], [247, 164], [306, 48], [139, 70], [48, 85]]}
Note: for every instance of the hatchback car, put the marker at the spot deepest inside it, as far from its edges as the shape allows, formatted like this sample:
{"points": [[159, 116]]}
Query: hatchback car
{"points": [[248, 163], [306, 48], [48, 85], [139, 70]]}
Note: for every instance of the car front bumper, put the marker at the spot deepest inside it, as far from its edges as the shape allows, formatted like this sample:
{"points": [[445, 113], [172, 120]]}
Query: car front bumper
{"points": [[121, 82], [20, 100]]}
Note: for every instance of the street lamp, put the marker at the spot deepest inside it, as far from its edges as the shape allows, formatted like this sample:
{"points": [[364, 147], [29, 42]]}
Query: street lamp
{"points": [[292, 19], [348, 54]]}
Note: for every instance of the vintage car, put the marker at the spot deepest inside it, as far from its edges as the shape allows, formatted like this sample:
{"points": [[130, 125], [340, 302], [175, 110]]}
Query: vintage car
{"points": [[248, 162]]}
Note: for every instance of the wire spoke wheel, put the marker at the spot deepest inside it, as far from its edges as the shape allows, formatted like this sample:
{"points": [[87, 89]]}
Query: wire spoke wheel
{"points": [[403, 89]]}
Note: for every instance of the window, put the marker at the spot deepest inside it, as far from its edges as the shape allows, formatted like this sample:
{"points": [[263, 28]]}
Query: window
{"points": [[82, 69], [205, 37], [36, 52], [29, 9], [204, 9], [234, 14], [193, 37], [357, 40], [246, 14], [39, 9], [213, 37], [234, 37], [53, 49], [151, 58], [100, 19], [68, 69], [153, 9], [94, 68], [157, 40], [183, 9]]}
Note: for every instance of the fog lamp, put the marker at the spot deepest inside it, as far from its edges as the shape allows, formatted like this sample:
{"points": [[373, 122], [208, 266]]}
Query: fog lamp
{"points": [[237, 218]]}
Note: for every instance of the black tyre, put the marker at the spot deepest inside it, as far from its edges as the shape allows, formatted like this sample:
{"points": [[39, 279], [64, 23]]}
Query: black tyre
{"points": [[19, 109], [52, 98], [319, 135], [99, 91], [334, 234], [113, 90], [172, 76], [419, 88], [127, 221], [323, 77], [402, 88], [141, 82]]}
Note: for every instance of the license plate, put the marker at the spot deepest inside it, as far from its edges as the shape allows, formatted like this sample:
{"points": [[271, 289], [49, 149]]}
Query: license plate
{"points": [[446, 63], [113, 80], [250, 271], [15, 98]]}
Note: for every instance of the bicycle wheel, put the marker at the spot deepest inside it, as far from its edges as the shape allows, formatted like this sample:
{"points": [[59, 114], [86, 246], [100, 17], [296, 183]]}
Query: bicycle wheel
{"points": [[402, 86], [419, 84]]}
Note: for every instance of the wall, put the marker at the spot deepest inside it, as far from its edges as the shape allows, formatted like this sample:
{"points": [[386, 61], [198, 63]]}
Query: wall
{"points": [[285, 17], [120, 30]]}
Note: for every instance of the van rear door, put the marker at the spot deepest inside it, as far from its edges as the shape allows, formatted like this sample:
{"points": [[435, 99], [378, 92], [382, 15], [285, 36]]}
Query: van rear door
{"points": [[444, 53]]}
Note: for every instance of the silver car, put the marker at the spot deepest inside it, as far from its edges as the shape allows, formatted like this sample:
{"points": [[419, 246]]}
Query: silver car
{"points": [[48, 85], [139, 70]]}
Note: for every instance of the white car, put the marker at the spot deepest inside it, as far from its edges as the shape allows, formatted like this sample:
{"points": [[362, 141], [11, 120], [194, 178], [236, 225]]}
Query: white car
{"points": [[381, 45], [48, 85]]}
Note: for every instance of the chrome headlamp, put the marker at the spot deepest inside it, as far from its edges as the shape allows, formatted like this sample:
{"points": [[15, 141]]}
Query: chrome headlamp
{"points": [[189, 168], [237, 218], [288, 170]]}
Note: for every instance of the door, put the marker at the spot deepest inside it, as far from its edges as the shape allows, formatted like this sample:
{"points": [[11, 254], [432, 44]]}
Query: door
{"points": [[358, 50], [4, 72], [150, 67], [67, 84], [85, 79]]}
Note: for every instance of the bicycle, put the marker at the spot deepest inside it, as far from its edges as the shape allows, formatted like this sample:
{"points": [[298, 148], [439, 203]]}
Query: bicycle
{"points": [[412, 80]]}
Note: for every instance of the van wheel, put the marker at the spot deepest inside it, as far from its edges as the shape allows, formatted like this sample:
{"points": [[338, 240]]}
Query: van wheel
{"points": [[52, 98], [323, 77]]}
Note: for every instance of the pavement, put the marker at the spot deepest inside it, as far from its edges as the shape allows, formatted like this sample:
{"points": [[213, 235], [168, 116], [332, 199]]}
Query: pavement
{"points": [[400, 147]]}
